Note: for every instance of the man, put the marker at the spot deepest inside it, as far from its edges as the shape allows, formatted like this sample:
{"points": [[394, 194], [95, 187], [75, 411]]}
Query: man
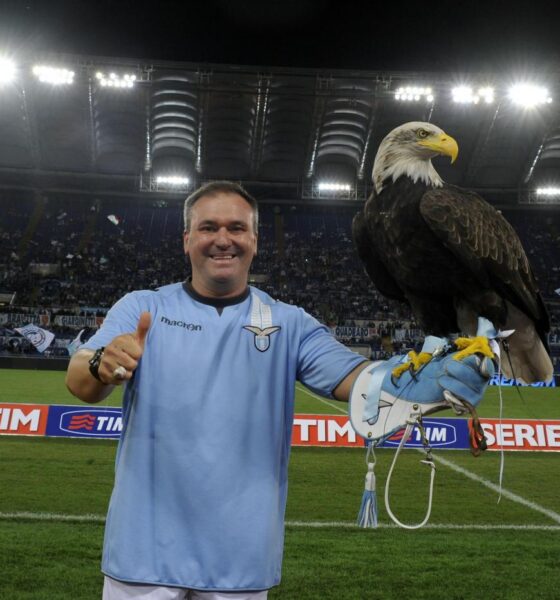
{"points": [[197, 510]]}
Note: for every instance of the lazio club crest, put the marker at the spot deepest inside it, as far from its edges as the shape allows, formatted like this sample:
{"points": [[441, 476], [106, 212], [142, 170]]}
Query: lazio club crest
{"points": [[262, 336]]}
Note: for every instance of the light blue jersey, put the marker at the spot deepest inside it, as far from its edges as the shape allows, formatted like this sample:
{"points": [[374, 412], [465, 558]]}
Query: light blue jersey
{"points": [[201, 469]]}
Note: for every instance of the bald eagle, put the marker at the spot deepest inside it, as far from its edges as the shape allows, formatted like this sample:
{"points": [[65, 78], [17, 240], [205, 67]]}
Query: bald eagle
{"points": [[448, 253]]}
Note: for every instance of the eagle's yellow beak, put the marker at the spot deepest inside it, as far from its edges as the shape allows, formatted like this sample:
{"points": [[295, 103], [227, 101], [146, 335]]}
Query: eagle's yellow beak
{"points": [[442, 144]]}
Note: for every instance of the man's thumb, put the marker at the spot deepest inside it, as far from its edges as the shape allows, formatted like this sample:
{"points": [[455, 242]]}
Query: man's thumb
{"points": [[143, 326]]}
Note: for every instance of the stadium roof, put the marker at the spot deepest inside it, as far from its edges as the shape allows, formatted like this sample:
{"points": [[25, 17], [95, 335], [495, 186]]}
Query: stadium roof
{"points": [[281, 130]]}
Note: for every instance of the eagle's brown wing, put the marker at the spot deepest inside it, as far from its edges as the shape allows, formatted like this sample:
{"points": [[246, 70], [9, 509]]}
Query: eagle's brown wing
{"points": [[487, 245], [376, 270]]}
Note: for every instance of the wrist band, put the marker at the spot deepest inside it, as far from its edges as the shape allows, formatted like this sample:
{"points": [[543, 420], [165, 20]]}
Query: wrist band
{"points": [[95, 362]]}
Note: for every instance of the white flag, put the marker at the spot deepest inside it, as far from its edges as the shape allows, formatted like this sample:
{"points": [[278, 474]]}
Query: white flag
{"points": [[75, 343], [40, 338]]}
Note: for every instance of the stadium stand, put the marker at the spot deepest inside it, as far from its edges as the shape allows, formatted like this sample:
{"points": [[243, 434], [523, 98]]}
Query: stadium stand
{"points": [[77, 256]]}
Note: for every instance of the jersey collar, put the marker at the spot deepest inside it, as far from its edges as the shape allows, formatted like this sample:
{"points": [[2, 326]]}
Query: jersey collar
{"points": [[218, 303]]}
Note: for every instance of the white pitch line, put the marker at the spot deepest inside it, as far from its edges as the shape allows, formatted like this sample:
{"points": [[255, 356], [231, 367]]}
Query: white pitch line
{"points": [[443, 526], [47, 516], [505, 493], [100, 519], [304, 389]]}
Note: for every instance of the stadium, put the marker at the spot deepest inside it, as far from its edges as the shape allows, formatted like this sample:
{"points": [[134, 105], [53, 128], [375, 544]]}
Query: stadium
{"points": [[97, 155]]}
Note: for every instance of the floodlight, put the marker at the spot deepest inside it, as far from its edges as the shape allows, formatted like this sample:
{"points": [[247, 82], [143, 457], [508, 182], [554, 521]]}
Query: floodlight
{"points": [[487, 94], [464, 94], [529, 95], [330, 186], [53, 75], [414, 93], [172, 180], [126, 80], [548, 191], [7, 70]]}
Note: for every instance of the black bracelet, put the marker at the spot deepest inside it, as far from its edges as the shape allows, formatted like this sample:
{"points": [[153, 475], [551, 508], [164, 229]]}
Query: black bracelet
{"points": [[95, 362]]}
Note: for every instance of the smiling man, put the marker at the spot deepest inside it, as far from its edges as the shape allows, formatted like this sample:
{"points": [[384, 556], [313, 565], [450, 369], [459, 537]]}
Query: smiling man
{"points": [[210, 366], [221, 240]]}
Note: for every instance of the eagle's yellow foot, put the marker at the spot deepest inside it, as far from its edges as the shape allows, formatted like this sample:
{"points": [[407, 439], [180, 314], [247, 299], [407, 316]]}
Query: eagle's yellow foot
{"points": [[416, 360], [475, 345]]}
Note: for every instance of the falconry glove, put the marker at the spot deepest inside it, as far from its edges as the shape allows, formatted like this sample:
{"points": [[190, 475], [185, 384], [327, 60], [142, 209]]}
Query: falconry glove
{"points": [[381, 404]]}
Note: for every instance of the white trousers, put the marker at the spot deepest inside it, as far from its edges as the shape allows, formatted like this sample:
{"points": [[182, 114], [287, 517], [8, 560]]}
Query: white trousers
{"points": [[117, 590]]}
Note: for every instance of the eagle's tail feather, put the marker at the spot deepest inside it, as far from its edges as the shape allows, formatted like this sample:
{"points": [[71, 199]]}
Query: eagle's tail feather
{"points": [[527, 360]]}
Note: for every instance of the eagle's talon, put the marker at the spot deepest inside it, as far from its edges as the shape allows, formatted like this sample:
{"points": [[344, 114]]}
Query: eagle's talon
{"points": [[398, 371], [415, 362], [475, 345]]}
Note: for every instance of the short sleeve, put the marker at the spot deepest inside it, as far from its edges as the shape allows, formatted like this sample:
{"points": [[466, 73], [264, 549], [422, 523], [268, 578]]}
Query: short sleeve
{"points": [[122, 318], [323, 362]]}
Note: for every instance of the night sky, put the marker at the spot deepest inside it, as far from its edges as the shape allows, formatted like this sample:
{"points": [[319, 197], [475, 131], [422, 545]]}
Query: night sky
{"points": [[442, 35]]}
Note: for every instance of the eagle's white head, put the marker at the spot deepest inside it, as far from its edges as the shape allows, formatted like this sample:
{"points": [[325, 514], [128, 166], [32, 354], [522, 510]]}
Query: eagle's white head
{"points": [[408, 150]]}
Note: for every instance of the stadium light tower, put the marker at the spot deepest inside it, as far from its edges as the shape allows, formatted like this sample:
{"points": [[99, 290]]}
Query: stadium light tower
{"points": [[329, 189], [7, 70], [331, 186], [172, 180], [171, 183], [112, 80], [464, 94], [549, 191], [53, 75], [486, 94], [414, 94], [528, 95], [544, 194]]}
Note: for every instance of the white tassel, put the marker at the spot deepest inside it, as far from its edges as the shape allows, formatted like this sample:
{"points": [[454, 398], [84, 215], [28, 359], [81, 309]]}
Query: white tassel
{"points": [[367, 517]]}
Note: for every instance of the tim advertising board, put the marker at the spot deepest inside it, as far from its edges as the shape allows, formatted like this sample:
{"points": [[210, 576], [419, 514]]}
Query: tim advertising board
{"points": [[23, 419], [440, 433], [522, 434], [324, 430], [309, 430], [444, 433], [332, 430], [75, 421]]}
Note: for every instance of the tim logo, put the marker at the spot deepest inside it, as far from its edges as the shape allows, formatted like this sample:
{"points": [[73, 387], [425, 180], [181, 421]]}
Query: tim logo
{"points": [[438, 434], [92, 423], [82, 422], [262, 336]]}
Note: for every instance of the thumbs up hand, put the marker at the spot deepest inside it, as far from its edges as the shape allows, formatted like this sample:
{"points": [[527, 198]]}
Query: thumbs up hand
{"points": [[142, 328], [122, 354]]}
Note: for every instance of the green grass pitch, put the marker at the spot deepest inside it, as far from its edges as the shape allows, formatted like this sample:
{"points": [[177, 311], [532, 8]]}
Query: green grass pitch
{"points": [[54, 494]]}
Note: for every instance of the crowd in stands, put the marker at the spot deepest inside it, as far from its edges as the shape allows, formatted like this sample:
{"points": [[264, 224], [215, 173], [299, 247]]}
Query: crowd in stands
{"points": [[62, 256]]}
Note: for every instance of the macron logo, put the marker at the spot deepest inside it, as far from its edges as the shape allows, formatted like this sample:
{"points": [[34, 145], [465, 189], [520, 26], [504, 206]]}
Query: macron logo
{"points": [[187, 326]]}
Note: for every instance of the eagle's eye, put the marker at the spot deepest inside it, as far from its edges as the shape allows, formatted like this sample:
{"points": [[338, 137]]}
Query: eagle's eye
{"points": [[422, 133]]}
